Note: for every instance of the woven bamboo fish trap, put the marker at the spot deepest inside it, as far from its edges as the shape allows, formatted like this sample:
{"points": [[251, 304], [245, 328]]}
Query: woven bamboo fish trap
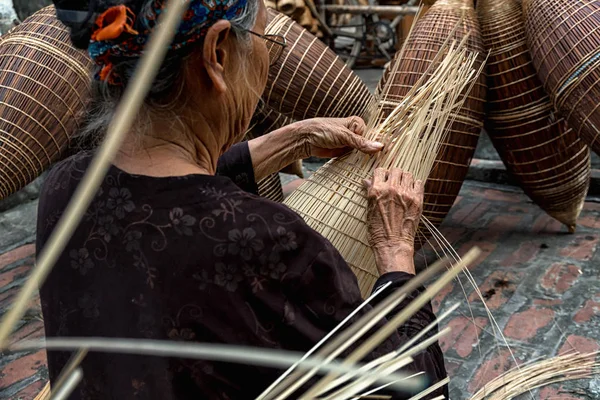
{"points": [[264, 121], [564, 41], [309, 80], [425, 40], [546, 157], [333, 200], [44, 84]]}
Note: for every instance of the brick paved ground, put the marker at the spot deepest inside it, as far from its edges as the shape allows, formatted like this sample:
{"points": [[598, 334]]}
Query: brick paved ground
{"points": [[542, 286]]}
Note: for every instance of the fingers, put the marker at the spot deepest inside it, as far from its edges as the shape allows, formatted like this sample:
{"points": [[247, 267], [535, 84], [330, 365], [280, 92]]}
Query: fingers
{"points": [[356, 125], [419, 187], [395, 176], [360, 143], [379, 176], [407, 182]]}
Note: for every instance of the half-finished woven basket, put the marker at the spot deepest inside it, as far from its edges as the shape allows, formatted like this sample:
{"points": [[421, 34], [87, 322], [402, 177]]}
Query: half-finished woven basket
{"points": [[309, 80], [454, 158], [546, 157], [44, 85], [333, 200], [564, 40]]}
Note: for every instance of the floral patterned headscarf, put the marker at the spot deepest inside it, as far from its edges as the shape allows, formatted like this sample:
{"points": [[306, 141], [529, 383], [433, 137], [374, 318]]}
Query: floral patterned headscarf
{"points": [[115, 38]]}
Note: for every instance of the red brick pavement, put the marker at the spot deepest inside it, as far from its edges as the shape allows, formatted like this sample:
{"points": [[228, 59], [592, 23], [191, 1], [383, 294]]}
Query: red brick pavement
{"points": [[540, 283]]}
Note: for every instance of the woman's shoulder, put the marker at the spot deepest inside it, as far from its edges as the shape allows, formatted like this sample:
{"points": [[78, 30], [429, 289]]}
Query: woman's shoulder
{"points": [[63, 176]]}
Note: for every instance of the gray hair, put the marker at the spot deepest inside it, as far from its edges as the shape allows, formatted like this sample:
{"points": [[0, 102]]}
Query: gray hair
{"points": [[167, 89]]}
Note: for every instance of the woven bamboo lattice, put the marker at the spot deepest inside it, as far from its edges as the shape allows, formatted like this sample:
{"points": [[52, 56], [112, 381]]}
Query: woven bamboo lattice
{"points": [[264, 121], [545, 156], [564, 41], [333, 201], [44, 84], [422, 45], [309, 80]]}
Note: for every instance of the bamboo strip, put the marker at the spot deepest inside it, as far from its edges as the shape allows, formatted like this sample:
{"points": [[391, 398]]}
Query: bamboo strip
{"points": [[402, 316], [359, 328], [45, 393], [274, 358], [546, 157], [537, 374]]}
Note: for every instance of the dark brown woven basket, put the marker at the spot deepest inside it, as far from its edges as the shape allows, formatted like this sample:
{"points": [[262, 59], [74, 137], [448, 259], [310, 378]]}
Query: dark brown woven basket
{"points": [[425, 41], [309, 80], [564, 41], [545, 156], [266, 120], [44, 85]]}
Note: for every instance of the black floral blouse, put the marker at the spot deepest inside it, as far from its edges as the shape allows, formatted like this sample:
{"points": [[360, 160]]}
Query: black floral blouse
{"points": [[195, 258]]}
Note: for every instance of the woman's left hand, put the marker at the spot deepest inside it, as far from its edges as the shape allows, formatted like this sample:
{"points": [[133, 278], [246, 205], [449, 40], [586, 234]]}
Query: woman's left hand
{"points": [[333, 137]]}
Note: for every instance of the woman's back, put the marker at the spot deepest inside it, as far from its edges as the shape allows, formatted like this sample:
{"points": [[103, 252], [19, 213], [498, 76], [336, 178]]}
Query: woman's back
{"points": [[189, 258]]}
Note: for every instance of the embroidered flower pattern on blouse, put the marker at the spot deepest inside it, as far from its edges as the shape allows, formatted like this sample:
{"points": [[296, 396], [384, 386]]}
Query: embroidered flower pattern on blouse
{"points": [[286, 240], [227, 276], [272, 265], [132, 240], [119, 200], [228, 209], [245, 243], [80, 260], [107, 227], [181, 223]]}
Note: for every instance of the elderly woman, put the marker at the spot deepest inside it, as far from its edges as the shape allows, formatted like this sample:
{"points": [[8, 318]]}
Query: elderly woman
{"points": [[176, 245]]}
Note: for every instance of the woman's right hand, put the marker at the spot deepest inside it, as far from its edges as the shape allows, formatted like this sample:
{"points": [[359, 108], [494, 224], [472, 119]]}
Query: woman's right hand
{"points": [[395, 204]]}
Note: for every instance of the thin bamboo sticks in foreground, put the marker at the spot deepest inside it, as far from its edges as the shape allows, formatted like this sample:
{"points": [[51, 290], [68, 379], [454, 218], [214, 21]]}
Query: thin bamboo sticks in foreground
{"points": [[542, 373]]}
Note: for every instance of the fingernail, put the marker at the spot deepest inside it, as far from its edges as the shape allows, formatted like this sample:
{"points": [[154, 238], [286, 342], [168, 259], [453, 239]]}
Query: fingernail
{"points": [[378, 145]]}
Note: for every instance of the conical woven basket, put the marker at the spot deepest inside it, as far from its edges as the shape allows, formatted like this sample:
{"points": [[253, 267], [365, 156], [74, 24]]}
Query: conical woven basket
{"points": [[546, 157], [264, 121], [425, 40], [309, 80], [44, 85], [564, 41], [333, 200]]}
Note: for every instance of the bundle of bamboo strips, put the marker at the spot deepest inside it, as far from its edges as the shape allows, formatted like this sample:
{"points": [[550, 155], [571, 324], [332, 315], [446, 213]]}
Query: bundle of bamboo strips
{"points": [[309, 80], [333, 200], [564, 40], [422, 45], [538, 374], [545, 156], [44, 84]]}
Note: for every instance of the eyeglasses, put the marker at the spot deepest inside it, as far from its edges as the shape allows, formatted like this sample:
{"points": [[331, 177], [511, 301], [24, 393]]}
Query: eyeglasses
{"points": [[275, 46]]}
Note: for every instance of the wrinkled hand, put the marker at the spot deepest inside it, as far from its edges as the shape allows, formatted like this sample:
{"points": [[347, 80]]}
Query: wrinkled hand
{"points": [[395, 204], [334, 137]]}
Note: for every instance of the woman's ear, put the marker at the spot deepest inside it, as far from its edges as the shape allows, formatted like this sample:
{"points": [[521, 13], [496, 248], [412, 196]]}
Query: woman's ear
{"points": [[215, 53]]}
